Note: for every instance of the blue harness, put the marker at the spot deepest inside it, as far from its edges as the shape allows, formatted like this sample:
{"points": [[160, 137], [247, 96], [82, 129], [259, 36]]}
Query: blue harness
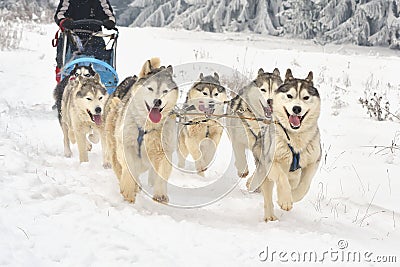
{"points": [[296, 160], [295, 156]]}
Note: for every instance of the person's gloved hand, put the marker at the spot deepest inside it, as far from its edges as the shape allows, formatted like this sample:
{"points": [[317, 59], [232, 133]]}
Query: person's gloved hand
{"points": [[66, 23], [109, 24]]}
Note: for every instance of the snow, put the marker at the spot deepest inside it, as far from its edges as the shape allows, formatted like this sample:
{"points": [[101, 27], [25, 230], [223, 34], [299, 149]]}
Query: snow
{"points": [[57, 212]]}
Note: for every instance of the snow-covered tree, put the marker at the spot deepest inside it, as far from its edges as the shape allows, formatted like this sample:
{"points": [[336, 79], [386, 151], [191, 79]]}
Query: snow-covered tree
{"points": [[301, 17]]}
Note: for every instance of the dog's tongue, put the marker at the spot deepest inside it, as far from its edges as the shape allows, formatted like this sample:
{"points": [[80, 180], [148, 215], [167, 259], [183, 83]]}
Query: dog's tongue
{"points": [[268, 111], [97, 119], [155, 115], [206, 110], [294, 120]]}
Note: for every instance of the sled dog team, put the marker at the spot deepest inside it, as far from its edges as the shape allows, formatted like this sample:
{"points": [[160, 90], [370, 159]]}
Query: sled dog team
{"points": [[137, 126]]}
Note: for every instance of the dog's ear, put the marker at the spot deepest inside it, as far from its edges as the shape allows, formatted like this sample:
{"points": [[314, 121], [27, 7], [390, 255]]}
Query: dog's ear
{"points": [[201, 76], [91, 66], [260, 71], [97, 77], [79, 94], [148, 66], [276, 72], [216, 76], [289, 75], [170, 69], [310, 77]]}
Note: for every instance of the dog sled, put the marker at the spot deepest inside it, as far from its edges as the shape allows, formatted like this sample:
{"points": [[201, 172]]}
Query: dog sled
{"points": [[83, 47]]}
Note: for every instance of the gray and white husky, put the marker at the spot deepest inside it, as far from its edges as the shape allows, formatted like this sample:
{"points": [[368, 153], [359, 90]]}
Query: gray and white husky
{"points": [[253, 101], [296, 154], [81, 113], [200, 139], [140, 135]]}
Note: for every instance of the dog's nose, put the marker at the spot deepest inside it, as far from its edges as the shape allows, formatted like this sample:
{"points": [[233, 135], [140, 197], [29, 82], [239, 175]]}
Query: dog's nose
{"points": [[296, 109], [157, 102], [269, 101], [97, 110]]}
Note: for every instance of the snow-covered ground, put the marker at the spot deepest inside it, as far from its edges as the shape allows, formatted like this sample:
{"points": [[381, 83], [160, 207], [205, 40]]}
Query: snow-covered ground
{"points": [[57, 212]]}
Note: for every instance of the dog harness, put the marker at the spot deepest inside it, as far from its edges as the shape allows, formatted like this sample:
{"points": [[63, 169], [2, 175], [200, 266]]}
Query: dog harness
{"points": [[295, 161], [140, 140], [295, 165]]}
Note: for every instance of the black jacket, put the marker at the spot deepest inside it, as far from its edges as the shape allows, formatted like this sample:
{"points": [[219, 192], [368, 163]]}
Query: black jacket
{"points": [[84, 9]]}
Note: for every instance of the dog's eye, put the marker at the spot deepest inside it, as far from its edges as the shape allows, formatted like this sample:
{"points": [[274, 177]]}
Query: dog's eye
{"points": [[165, 91], [100, 98], [204, 93], [289, 96], [263, 90], [76, 74], [216, 94], [150, 89], [306, 97], [88, 98], [87, 75]]}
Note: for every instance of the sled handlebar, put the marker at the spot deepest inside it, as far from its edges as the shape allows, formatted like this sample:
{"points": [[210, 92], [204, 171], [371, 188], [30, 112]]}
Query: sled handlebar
{"points": [[95, 22]]}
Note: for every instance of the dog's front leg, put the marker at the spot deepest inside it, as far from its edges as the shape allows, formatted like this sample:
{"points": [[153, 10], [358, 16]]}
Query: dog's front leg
{"points": [[182, 150], [207, 151], [67, 148], [239, 150], [82, 146], [128, 185], [281, 179], [266, 189], [306, 177], [162, 171], [104, 148]]}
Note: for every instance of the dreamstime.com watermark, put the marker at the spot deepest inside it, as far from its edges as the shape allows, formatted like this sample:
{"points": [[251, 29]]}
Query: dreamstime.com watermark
{"points": [[339, 254]]}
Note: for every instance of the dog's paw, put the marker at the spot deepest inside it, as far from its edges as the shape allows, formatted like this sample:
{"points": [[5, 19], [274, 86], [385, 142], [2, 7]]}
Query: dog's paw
{"points": [[161, 198], [68, 154], [89, 146], [202, 174], [286, 205], [129, 195], [94, 138], [250, 188], [270, 218], [243, 174], [107, 165]]}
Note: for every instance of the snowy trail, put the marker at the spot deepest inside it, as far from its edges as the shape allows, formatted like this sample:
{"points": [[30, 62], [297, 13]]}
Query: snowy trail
{"points": [[57, 212]]}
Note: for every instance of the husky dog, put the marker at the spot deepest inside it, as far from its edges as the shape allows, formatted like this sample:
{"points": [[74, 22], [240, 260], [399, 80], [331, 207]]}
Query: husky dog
{"points": [[110, 109], [201, 136], [254, 102], [143, 134], [82, 106], [86, 71], [297, 152]]}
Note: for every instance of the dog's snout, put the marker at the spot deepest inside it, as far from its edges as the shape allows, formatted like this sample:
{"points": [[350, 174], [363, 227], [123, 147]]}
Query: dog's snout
{"points": [[97, 110], [157, 102], [211, 104], [269, 101], [296, 110]]}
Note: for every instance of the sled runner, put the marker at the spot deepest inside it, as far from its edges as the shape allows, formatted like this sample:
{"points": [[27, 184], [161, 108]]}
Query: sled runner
{"points": [[83, 47]]}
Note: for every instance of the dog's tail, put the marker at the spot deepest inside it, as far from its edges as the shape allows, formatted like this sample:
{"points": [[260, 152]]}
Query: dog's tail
{"points": [[149, 65]]}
